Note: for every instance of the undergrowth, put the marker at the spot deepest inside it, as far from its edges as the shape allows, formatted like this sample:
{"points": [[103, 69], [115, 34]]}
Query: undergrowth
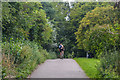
{"points": [[19, 59]]}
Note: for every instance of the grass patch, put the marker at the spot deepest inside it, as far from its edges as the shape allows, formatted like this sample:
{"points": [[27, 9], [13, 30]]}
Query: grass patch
{"points": [[88, 65]]}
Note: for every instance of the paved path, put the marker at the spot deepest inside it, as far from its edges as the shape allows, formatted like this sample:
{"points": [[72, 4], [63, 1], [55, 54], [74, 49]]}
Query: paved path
{"points": [[59, 68]]}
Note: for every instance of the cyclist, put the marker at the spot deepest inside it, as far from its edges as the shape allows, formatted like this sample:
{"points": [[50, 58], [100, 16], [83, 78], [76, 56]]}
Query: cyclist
{"points": [[61, 49]]}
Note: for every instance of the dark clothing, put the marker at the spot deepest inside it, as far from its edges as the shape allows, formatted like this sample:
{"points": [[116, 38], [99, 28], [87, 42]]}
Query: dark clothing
{"points": [[61, 50]]}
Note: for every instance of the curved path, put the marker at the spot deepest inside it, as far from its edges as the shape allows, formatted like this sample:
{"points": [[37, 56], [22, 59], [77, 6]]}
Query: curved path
{"points": [[58, 68]]}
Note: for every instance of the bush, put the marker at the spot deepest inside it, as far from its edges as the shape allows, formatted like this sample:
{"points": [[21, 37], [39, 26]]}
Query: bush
{"points": [[21, 58], [52, 55], [108, 66], [71, 55]]}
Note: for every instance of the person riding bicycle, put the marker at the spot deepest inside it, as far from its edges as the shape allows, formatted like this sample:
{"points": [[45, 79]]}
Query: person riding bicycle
{"points": [[61, 49]]}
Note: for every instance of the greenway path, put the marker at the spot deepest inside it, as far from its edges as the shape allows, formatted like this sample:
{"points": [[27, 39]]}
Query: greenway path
{"points": [[59, 68]]}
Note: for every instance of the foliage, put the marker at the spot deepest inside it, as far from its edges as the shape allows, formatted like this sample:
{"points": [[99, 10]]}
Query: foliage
{"points": [[65, 29], [20, 59], [96, 31], [108, 66], [99, 39], [31, 33], [70, 55], [26, 32], [25, 21], [52, 55]]}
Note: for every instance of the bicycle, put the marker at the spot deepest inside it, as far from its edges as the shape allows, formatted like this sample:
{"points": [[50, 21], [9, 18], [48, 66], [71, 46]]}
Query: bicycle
{"points": [[61, 54]]}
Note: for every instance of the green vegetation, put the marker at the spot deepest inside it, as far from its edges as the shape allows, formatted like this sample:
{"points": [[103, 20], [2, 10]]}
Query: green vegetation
{"points": [[98, 34], [26, 36], [108, 67], [20, 59], [88, 65], [31, 33]]}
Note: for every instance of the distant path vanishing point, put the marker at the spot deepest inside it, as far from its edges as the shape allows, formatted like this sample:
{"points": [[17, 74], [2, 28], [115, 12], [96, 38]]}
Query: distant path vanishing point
{"points": [[58, 68]]}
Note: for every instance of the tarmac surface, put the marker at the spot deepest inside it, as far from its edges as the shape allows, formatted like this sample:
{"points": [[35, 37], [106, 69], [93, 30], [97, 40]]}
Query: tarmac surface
{"points": [[58, 68]]}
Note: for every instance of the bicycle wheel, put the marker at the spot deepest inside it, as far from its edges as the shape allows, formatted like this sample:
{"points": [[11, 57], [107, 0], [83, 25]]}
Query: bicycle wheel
{"points": [[62, 55]]}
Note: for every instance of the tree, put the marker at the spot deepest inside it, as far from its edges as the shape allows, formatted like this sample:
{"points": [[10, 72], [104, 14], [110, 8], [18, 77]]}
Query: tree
{"points": [[96, 31], [26, 21]]}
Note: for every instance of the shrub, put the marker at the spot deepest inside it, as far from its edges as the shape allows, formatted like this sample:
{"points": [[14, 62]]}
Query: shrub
{"points": [[21, 58], [71, 55], [108, 65], [52, 55]]}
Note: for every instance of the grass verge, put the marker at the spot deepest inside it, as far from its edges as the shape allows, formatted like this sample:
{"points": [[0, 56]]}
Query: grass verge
{"points": [[88, 65]]}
